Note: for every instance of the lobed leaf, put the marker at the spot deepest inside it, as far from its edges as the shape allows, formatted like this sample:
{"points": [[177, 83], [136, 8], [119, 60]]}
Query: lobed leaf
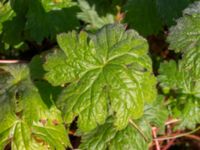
{"points": [[185, 85], [105, 137], [186, 34], [26, 121], [107, 73], [183, 78], [90, 16]]}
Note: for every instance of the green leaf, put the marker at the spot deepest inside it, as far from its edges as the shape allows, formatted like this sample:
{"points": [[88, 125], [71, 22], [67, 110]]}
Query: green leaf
{"points": [[105, 137], [170, 10], [183, 78], [186, 108], [36, 68], [20, 6], [142, 15], [184, 81], [156, 113], [53, 15], [56, 4], [13, 36], [110, 73], [48, 92], [10, 35], [168, 74], [104, 7], [186, 34], [184, 37], [90, 16], [6, 13], [26, 122]]}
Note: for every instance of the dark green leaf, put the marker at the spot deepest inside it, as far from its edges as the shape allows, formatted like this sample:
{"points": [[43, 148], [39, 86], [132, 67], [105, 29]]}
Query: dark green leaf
{"points": [[56, 17], [170, 10], [142, 15]]}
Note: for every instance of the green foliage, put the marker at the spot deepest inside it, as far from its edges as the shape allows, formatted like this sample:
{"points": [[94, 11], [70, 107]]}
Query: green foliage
{"points": [[90, 16], [108, 75], [149, 16], [104, 7], [183, 78], [39, 20], [26, 122], [95, 79], [36, 20], [146, 19], [56, 18], [185, 102], [170, 10], [186, 34], [6, 14], [105, 137]]}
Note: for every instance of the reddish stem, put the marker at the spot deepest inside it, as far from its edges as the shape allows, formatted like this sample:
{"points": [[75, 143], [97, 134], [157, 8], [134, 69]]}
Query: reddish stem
{"points": [[193, 137], [154, 129]]}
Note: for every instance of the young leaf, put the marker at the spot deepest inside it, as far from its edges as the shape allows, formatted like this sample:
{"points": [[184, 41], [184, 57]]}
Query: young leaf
{"points": [[90, 16], [110, 74], [26, 122]]}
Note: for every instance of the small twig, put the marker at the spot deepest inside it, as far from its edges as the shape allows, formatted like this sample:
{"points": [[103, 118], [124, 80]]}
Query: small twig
{"points": [[154, 129], [177, 136], [169, 131], [193, 137], [138, 129], [171, 121], [8, 61], [11, 61], [169, 144]]}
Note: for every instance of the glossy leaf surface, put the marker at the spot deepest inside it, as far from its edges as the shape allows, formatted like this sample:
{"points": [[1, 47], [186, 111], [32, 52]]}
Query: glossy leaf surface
{"points": [[110, 74]]}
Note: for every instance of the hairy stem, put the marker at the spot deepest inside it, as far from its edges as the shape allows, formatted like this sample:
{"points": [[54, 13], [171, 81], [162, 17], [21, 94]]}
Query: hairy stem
{"points": [[138, 129]]}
